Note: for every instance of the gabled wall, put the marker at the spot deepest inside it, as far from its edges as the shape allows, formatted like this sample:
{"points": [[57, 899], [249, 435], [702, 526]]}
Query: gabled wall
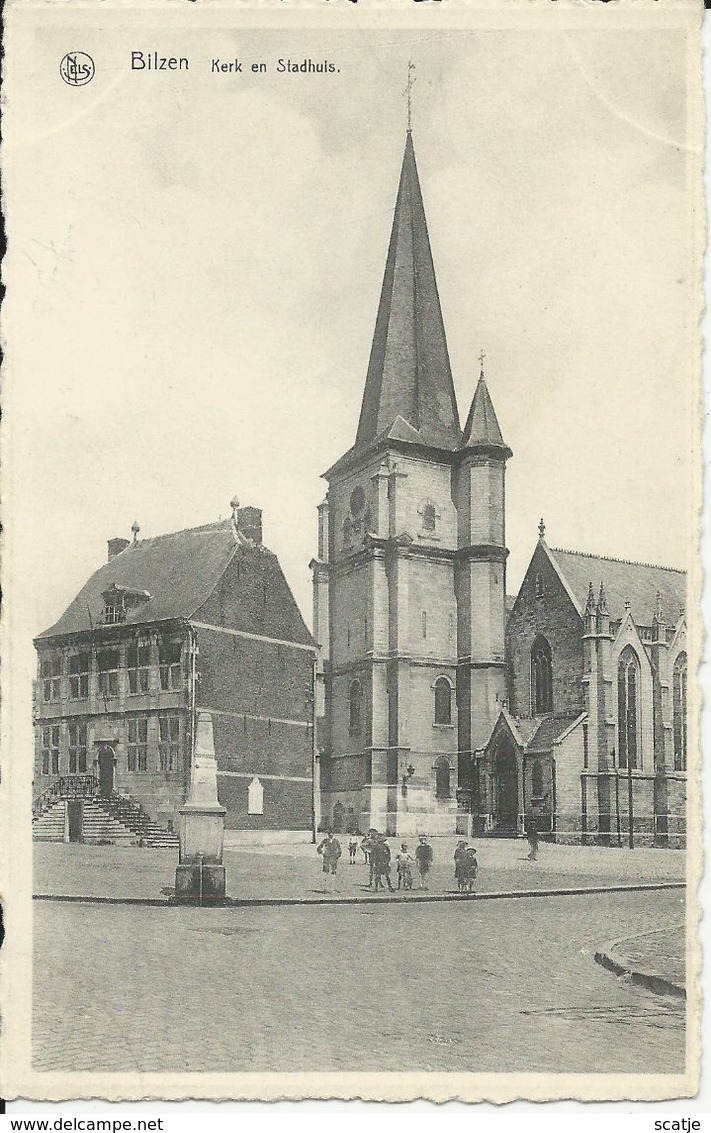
{"points": [[554, 617]]}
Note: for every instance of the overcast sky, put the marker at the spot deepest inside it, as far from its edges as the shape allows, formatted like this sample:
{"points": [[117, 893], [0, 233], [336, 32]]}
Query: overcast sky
{"points": [[197, 261]]}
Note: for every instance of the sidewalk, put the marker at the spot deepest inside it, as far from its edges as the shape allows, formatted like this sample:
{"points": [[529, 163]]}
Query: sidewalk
{"points": [[293, 873], [655, 959]]}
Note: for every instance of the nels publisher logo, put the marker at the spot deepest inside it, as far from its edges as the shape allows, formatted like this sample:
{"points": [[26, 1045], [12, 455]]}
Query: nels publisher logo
{"points": [[77, 68]]}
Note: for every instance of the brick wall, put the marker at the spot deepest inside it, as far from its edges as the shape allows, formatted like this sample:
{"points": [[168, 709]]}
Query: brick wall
{"points": [[253, 595], [554, 616], [259, 693], [287, 805], [259, 677]]}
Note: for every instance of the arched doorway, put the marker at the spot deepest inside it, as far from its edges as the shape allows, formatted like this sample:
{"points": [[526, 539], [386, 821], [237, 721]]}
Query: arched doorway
{"points": [[106, 763], [505, 800]]}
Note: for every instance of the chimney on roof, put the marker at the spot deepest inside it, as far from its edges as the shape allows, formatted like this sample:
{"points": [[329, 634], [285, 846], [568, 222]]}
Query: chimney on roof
{"points": [[249, 523], [116, 546], [246, 523]]}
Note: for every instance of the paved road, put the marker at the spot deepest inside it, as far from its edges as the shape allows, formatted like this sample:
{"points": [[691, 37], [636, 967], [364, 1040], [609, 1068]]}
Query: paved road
{"points": [[490, 986]]}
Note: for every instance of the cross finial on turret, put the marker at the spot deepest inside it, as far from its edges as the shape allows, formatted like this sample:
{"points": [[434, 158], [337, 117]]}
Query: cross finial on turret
{"points": [[541, 528], [411, 80]]}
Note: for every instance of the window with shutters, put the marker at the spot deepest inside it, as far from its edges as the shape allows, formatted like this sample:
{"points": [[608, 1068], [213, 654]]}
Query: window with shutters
{"points": [[77, 748], [138, 744], [79, 676], [170, 669], [51, 676], [169, 742], [138, 661], [108, 665], [50, 750]]}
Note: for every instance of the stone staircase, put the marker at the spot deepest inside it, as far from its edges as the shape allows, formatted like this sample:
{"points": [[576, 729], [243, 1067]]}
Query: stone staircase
{"points": [[51, 824], [117, 820]]}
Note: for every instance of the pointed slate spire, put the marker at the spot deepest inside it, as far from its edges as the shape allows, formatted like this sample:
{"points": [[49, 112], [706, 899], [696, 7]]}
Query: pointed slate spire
{"points": [[409, 374], [482, 428]]}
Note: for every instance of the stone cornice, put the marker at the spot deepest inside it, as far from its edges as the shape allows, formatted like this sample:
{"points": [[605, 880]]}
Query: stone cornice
{"points": [[482, 552]]}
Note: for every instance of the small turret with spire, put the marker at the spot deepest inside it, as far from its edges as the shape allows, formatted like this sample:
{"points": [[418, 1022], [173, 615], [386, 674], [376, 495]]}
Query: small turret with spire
{"points": [[603, 614], [590, 614]]}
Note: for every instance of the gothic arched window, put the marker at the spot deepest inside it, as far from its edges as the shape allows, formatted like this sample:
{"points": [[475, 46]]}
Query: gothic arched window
{"points": [[537, 779], [628, 709], [541, 677], [442, 775], [679, 712], [355, 706], [539, 587], [443, 701]]}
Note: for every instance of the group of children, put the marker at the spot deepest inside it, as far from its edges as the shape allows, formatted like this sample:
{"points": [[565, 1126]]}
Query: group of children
{"points": [[378, 856]]}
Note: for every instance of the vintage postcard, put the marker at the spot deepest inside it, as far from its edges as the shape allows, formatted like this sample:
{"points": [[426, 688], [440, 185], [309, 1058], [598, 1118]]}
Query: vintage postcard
{"points": [[352, 495]]}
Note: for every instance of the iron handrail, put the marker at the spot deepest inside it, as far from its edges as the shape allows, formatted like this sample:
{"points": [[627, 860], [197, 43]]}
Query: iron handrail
{"points": [[80, 786]]}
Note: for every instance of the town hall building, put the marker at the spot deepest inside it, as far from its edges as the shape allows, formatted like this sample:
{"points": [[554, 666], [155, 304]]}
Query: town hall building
{"points": [[443, 706], [199, 620]]}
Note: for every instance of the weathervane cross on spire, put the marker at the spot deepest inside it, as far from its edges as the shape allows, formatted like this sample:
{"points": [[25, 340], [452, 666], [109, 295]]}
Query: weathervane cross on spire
{"points": [[411, 80], [482, 356]]}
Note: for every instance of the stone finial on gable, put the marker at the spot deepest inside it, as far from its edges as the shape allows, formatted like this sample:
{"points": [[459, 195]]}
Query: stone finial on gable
{"points": [[590, 606], [602, 601], [542, 529], [659, 612]]}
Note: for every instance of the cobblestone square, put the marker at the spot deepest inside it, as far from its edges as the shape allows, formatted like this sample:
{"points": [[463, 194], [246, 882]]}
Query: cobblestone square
{"points": [[474, 986]]}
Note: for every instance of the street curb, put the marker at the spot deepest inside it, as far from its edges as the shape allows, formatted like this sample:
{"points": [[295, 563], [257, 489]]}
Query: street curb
{"points": [[258, 902], [644, 977]]}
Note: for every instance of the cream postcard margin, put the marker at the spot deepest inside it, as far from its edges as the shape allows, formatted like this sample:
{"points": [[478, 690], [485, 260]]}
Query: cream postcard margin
{"points": [[25, 40]]}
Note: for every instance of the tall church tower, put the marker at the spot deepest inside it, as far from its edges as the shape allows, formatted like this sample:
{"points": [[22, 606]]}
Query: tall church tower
{"points": [[409, 585]]}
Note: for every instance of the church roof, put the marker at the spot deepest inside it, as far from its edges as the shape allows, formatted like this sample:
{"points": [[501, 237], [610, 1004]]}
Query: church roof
{"points": [[549, 729], [409, 374], [636, 583], [178, 572], [482, 427]]}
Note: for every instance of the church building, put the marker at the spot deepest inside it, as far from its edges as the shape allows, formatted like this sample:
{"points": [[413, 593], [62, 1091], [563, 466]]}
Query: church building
{"points": [[410, 580], [443, 706]]}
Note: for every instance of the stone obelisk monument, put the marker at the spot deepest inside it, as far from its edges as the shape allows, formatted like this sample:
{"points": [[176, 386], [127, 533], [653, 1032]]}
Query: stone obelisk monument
{"points": [[200, 876]]}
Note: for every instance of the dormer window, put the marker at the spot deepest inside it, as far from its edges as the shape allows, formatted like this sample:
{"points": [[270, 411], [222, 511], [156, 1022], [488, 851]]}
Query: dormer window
{"points": [[115, 611], [119, 600]]}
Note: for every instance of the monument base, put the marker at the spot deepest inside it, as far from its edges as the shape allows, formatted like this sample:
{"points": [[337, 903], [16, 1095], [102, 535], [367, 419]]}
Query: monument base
{"points": [[193, 889]]}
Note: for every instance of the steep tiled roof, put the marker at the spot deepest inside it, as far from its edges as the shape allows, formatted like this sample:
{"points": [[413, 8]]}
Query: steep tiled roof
{"points": [[409, 374], [179, 572], [624, 581]]}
